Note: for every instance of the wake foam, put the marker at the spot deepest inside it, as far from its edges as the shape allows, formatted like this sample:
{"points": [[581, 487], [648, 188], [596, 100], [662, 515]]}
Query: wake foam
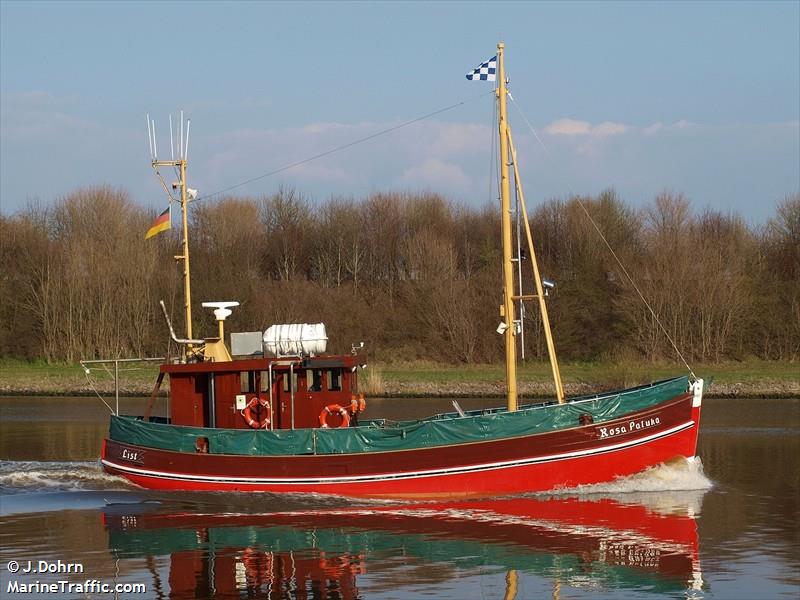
{"points": [[35, 476], [679, 475], [677, 487]]}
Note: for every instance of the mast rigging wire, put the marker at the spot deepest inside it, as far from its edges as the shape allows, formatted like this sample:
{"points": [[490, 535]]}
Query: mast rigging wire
{"points": [[343, 147], [94, 389], [494, 159], [608, 245]]}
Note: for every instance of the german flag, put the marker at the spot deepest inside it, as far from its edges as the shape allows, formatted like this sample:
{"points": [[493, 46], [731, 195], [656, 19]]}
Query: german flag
{"points": [[162, 223]]}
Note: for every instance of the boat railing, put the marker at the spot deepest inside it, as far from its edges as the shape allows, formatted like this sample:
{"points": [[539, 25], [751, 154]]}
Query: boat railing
{"points": [[85, 364]]}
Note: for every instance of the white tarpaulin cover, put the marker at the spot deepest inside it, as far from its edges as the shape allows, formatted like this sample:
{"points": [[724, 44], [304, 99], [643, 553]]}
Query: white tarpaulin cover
{"points": [[296, 339]]}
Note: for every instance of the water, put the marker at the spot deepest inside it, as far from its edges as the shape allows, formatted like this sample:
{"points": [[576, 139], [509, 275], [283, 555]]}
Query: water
{"points": [[725, 526]]}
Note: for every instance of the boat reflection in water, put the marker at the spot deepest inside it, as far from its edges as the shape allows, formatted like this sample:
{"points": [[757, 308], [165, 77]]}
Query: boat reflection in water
{"points": [[595, 543]]}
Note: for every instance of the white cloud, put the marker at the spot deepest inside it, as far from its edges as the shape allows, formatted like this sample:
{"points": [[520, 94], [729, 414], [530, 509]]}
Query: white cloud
{"points": [[322, 173], [711, 163], [458, 139], [436, 155], [588, 133], [568, 127], [607, 128], [435, 174], [323, 128], [573, 127], [653, 129], [37, 115]]}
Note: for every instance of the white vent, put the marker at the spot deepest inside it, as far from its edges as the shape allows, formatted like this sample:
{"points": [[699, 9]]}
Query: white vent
{"points": [[297, 339]]}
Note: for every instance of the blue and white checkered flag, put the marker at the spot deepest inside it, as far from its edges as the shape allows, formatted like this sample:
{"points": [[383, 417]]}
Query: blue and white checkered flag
{"points": [[484, 71]]}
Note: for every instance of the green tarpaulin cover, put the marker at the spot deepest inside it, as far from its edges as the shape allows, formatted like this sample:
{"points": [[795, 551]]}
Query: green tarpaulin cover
{"points": [[378, 436]]}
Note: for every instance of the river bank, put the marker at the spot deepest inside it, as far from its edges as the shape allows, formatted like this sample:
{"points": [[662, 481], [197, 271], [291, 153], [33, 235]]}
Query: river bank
{"points": [[746, 379]]}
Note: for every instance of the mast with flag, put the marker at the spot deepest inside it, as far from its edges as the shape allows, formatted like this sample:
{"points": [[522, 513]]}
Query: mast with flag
{"points": [[179, 163], [493, 69]]}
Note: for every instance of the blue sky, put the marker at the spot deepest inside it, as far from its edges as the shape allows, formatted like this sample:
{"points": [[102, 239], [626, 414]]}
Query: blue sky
{"points": [[698, 98]]}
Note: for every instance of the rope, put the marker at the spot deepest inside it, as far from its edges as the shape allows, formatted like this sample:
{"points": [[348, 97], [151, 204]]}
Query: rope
{"points": [[91, 385], [494, 159], [343, 147], [605, 241]]}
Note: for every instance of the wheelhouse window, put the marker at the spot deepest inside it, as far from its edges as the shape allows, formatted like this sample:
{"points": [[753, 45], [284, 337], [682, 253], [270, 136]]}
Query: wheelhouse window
{"points": [[264, 381], [314, 380], [334, 380], [286, 378], [247, 382]]}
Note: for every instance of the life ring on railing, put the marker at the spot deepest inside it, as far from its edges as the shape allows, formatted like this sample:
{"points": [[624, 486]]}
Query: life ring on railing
{"points": [[329, 410], [247, 413]]}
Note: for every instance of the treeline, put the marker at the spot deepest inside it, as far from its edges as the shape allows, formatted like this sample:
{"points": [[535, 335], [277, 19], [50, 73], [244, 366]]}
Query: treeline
{"points": [[412, 275]]}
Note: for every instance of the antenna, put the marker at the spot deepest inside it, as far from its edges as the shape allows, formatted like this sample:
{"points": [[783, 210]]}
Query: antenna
{"points": [[171, 145], [149, 136], [181, 151], [155, 144], [186, 150]]}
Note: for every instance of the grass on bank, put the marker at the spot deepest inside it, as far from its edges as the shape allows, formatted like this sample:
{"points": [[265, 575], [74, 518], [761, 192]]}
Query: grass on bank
{"points": [[750, 371], [64, 378], [60, 378]]}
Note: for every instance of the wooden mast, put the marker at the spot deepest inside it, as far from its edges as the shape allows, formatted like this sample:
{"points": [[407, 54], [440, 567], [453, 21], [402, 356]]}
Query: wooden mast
{"points": [[551, 347], [187, 288], [507, 309], [181, 163]]}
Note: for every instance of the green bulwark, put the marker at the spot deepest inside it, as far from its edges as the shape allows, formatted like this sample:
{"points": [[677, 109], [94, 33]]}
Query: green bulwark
{"points": [[381, 436]]}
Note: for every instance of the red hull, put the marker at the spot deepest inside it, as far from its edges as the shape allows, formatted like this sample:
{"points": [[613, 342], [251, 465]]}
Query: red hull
{"points": [[566, 458]]}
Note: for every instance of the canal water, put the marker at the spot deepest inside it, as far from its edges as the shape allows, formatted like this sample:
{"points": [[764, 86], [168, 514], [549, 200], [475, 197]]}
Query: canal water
{"points": [[723, 526]]}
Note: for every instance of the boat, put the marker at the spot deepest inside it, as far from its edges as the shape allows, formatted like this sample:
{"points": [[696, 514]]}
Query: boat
{"points": [[275, 413], [580, 542]]}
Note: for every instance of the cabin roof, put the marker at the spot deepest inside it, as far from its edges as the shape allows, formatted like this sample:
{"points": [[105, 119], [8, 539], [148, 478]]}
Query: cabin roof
{"points": [[262, 364]]}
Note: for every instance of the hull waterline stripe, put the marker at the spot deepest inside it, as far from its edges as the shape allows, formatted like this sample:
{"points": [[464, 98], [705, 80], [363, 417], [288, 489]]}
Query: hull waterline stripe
{"points": [[394, 476]]}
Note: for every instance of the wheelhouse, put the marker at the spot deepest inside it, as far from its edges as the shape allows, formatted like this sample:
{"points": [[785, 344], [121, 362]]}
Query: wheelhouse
{"points": [[277, 393]]}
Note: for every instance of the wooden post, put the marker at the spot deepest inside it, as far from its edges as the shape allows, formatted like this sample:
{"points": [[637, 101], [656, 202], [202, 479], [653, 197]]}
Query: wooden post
{"points": [[551, 348], [505, 214], [187, 290]]}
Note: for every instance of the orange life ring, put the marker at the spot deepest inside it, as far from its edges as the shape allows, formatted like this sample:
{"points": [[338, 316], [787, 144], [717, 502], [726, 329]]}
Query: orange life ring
{"points": [[329, 410], [248, 414]]}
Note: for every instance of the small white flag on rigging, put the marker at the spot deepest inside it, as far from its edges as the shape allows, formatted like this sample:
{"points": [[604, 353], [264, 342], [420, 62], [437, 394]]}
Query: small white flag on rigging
{"points": [[486, 71]]}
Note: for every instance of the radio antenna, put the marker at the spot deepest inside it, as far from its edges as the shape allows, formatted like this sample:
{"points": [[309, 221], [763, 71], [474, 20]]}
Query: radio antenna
{"points": [[149, 136], [155, 143], [171, 145], [186, 149], [181, 148]]}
